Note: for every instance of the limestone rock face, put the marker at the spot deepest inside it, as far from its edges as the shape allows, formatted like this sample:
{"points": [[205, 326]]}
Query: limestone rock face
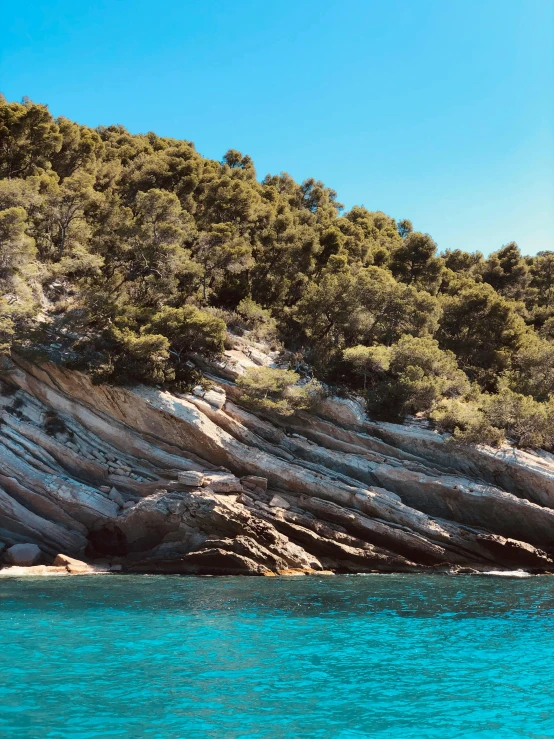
{"points": [[148, 481], [23, 555]]}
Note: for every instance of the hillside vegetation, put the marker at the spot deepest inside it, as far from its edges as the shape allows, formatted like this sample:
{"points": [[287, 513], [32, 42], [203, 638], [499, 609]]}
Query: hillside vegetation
{"points": [[127, 253]]}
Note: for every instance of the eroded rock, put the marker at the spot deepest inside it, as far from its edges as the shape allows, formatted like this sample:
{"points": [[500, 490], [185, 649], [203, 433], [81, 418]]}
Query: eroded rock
{"points": [[223, 482], [186, 484], [191, 479], [23, 555]]}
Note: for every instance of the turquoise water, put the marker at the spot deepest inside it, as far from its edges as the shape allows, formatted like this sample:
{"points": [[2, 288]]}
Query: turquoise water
{"points": [[384, 656]]}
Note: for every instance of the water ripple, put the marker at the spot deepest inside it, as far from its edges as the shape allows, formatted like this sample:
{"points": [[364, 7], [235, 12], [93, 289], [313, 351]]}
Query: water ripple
{"points": [[386, 657]]}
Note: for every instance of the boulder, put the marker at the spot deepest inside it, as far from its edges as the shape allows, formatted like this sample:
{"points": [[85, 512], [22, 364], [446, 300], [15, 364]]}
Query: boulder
{"points": [[344, 411], [23, 555], [190, 478], [77, 567], [62, 560], [222, 482], [116, 496], [216, 398], [253, 481]]}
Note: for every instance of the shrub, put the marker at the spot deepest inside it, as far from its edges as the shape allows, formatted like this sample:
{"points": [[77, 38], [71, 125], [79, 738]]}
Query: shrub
{"points": [[368, 361], [257, 319], [466, 422], [491, 418], [276, 390], [527, 423], [419, 375]]}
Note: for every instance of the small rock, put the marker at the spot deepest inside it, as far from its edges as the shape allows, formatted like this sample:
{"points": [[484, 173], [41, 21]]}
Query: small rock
{"points": [[116, 496], [105, 488], [198, 390], [223, 482], [24, 555], [255, 481], [62, 560], [262, 506], [191, 478], [128, 504], [216, 398], [278, 502], [174, 506]]}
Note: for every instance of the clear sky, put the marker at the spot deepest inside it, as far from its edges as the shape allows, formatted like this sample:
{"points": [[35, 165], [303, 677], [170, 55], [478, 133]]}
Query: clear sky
{"points": [[441, 111]]}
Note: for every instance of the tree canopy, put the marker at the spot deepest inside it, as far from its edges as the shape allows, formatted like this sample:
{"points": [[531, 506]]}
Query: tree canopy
{"points": [[132, 253]]}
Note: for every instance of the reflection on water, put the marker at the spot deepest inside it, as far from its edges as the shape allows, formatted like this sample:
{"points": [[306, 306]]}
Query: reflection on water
{"points": [[382, 656]]}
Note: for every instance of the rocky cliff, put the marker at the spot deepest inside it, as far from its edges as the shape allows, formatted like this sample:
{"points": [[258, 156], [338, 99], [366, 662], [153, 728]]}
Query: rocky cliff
{"points": [[153, 482]]}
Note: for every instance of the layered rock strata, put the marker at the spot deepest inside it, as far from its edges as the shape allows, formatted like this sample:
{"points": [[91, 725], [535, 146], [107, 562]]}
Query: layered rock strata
{"points": [[147, 481]]}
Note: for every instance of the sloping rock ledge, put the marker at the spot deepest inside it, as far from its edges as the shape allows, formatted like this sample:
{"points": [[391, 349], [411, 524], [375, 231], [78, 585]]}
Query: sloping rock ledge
{"points": [[140, 480]]}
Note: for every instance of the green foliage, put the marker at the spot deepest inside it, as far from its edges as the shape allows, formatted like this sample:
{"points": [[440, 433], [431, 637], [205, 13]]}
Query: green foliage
{"points": [[414, 261], [490, 419], [483, 330], [532, 368], [467, 423], [258, 320], [527, 423], [366, 306], [413, 376], [188, 330], [134, 248], [28, 138], [135, 357], [368, 360], [507, 272], [16, 248], [276, 391]]}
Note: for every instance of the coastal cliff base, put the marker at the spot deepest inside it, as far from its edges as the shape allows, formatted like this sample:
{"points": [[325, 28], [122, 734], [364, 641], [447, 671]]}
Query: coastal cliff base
{"points": [[141, 480]]}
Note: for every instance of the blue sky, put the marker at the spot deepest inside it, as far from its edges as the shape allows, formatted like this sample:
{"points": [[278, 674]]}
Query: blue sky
{"points": [[441, 111]]}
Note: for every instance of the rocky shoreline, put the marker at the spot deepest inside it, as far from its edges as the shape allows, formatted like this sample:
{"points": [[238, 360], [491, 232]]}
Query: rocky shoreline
{"points": [[138, 480]]}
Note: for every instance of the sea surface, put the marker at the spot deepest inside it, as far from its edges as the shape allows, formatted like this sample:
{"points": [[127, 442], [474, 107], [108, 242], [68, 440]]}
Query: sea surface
{"points": [[381, 656]]}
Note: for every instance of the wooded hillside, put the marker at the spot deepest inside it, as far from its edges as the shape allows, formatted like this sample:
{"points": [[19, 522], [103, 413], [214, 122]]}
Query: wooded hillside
{"points": [[129, 252]]}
